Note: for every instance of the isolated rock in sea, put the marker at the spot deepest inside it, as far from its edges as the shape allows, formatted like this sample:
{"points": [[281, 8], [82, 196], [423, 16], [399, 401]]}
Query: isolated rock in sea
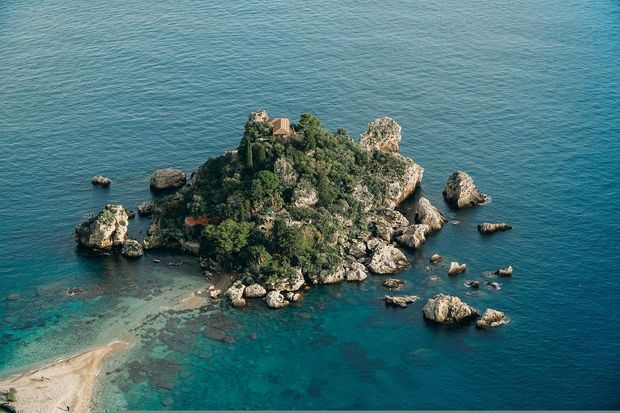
{"points": [[105, 230], [167, 178], [435, 258], [400, 300], [494, 285], [291, 283], [504, 272], [491, 318], [255, 291], [447, 309], [382, 134], [388, 259], [294, 296], [412, 236], [427, 214], [456, 268], [275, 299], [461, 192], [146, 208], [356, 271], [99, 180], [393, 283], [235, 293], [488, 228], [132, 249], [472, 283]]}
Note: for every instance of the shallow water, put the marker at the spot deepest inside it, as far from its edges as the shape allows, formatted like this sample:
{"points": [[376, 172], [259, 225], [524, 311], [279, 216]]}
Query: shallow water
{"points": [[525, 95]]}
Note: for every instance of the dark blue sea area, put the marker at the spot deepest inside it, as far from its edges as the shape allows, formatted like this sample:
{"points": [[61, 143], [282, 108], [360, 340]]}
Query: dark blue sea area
{"points": [[522, 94]]}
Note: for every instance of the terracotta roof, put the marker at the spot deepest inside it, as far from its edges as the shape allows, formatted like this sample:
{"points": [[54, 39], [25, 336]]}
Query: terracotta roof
{"points": [[191, 221], [281, 126]]}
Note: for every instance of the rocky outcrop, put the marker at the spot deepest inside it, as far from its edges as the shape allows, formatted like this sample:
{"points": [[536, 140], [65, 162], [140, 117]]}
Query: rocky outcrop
{"points": [[488, 228], [275, 299], [355, 271], [456, 268], [255, 291], [167, 178], [393, 283], [412, 236], [446, 309], [285, 172], [328, 277], [472, 284], [400, 300], [235, 294], [383, 134], [429, 215], [154, 238], [294, 296], [401, 186], [357, 249], [304, 194], [102, 181], [145, 208], [387, 259], [105, 230], [491, 318], [461, 192], [292, 283], [494, 285], [504, 272], [132, 249], [435, 258]]}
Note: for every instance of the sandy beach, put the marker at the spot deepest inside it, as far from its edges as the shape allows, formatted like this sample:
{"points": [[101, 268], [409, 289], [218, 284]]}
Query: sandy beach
{"points": [[65, 382]]}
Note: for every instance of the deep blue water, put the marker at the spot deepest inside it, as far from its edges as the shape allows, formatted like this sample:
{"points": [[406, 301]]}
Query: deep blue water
{"points": [[523, 94]]}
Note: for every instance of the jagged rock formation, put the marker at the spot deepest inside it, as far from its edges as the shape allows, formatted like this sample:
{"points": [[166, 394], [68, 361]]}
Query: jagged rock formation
{"points": [[275, 299], [132, 249], [446, 309], [355, 271], [491, 318], [255, 291], [461, 192], [412, 236], [167, 178], [488, 228], [235, 293], [456, 268], [102, 181], [400, 300], [387, 259], [327, 277], [105, 230], [393, 283], [429, 215]]}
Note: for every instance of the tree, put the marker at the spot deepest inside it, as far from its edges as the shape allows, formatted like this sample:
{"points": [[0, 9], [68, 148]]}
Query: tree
{"points": [[227, 238], [264, 186], [11, 395], [249, 161]]}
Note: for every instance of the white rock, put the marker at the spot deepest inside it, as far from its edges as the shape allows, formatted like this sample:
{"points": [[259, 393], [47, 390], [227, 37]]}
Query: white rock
{"points": [[446, 309]]}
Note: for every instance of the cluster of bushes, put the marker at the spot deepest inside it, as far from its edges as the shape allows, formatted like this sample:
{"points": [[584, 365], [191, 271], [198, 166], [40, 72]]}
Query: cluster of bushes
{"points": [[260, 230]]}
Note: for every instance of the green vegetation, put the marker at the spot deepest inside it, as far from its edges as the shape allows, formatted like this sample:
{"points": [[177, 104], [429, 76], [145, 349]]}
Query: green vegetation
{"points": [[280, 203], [11, 395]]}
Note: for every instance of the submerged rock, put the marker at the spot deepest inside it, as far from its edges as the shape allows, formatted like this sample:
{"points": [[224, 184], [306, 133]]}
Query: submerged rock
{"points": [[132, 249], [102, 181], [488, 228], [435, 258], [412, 236], [167, 178], [145, 208], [461, 192], [275, 299], [255, 291], [504, 272], [491, 318], [472, 283], [393, 283], [235, 293], [388, 259], [400, 300], [456, 268], [494, 285], [446, 309], [427, 214], [105, 230]]}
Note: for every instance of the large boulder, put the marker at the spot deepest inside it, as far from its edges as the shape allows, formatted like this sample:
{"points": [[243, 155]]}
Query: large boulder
{"points": [[504, 272], [491, 318], [235, 294], [447, 309], [105, 230], [456, 268], [383, 134], [400, 186], [275, 299], [412, 236], [400, 300], [328, 276], [146, 208], [427, 214], [102, 181], [167, 178], [255, 291], [132, 249], [461, 192], [488, 228], [393, 283], [357, 249], [387, 259], [291, 283], [355, 271]]}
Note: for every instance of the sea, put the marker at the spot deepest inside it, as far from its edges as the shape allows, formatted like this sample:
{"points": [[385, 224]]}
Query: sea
{"points": [[524, 95]]}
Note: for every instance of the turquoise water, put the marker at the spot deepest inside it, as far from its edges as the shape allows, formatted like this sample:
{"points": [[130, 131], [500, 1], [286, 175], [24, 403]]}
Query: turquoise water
{"points": [[524, 95]]}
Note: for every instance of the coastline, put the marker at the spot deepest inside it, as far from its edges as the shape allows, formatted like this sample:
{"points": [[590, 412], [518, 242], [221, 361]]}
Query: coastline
{"points": [[65, 382]]}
